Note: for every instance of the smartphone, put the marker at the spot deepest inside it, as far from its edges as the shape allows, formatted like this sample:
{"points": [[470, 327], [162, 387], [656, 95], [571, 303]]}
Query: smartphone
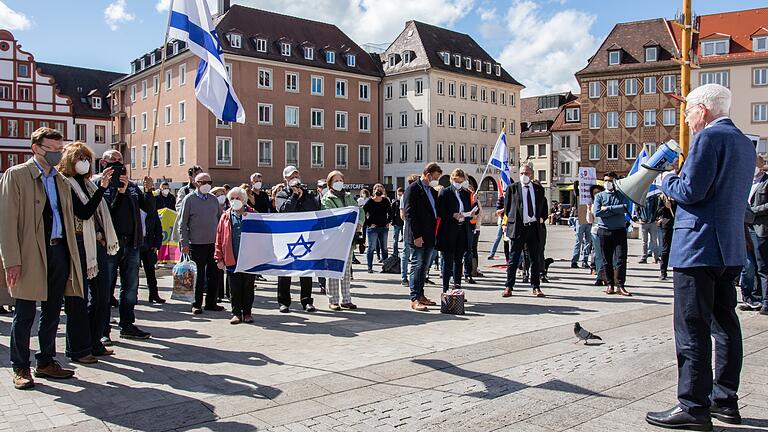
{"points": [[118, 170]]}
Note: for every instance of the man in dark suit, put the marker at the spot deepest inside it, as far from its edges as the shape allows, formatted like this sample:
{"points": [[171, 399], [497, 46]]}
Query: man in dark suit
{"points": [[758, 231], [526, 209], [453, 232], [708, 250], [420, 226]]}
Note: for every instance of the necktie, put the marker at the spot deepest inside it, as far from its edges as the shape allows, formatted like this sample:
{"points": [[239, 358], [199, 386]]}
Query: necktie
{"points": [[530, 201]]}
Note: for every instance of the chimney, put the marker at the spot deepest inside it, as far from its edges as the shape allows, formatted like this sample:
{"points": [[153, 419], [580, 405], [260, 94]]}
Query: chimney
{"points": [[224, 6]]}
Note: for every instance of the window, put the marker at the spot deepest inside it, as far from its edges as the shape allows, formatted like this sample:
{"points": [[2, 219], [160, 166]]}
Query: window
{"points": [[419, 119], [59, 126], [440, 156], [317, 85], [351, 61], [502, 98], [341, 88], [594, 120], [407, 56], [25, 93], [265, 113], [235, 40], [224, 151], [760, 112], [265, 78], [572, 115], [451, 152], [309, 53], [285, 49], [759, 77], [364, 91], [440, 88], [133, 124], [182, 74], [403, 119], [168, 79], [223, 124], [493, 96], [630, 87], [341, 120], [317, 155], [483, 155], [439, 118], [144, 156], [330, 56], [630, 119], [403, 152], [614, 57], [650, 148], [457, 60], [462, 153], [473, 121], [29, 124], [630, 151], [498, 70], [24, 70], [364, 151], [483, 94], [451, 119], [446, 57], [167, 113], [542, 150], [317, 118], [292, 82], [463, 120], [721, 77], [612, 152], [669, 83], [403, 89], [291, 116], [612, 120], [144, 121], [463, 91], [565, 142], [388, 92], [364, 122], [155, 155], [473, 92], [419, 151], [133, 157], [341, 156], [292, 153], [669, 116], [649, 118], [388, 121], [760, 43], [612, 87], [494, 122], [530, 151], [713, 48], [167, 148], [487, 67], [261, 45], [156, 84], [468, 63], [484, 124], [651, 54], [392, 60], [565, 168], [265, 153], [473, 153], [594, 89], [542, 175], [452, 88], [388, 153], [511, 99], [100, 133], [649, 85], [419, 86], [96, 102]]}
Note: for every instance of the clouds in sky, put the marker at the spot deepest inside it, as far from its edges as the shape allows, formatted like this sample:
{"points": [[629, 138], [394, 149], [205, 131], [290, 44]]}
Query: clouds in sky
{"points": [[116, 14], [12, 20]]}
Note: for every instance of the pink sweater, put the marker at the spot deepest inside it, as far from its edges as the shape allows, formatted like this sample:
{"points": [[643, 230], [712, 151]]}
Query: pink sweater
{"points": [[223, 249]]}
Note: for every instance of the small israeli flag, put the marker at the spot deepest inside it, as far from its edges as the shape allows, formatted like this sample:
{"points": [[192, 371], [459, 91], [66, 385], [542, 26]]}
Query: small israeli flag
{"points": [[190, 21], [297, 244], [500, 159]]}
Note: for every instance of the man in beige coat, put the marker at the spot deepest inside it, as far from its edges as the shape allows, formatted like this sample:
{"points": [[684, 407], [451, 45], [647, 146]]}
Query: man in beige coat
{"points": [[39, 253]]}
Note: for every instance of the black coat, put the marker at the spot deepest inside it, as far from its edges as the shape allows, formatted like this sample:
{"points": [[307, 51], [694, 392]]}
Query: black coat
{"points": [[153, 237], [449, 229], [288, 202], [758, 206], [168, 202], [513, 207], [420, 220]]}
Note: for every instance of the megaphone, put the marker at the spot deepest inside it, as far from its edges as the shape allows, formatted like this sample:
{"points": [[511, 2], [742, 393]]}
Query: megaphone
{"points": [[635, 187]]}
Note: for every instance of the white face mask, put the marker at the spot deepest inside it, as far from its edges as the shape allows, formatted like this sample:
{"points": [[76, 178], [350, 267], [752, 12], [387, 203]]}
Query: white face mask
{"points": [[608, 185], [524, 179], [204, 189], [434, 183], [338, 186], [257, 185], [165, 192], [294, 182], [457, 185], [82, 167], [399, 196], [222, 199], [236, 205]]}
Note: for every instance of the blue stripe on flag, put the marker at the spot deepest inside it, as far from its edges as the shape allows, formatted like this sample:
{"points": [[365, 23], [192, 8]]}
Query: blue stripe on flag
{"points": [[197, 35], [296, 226], [320, 264]]}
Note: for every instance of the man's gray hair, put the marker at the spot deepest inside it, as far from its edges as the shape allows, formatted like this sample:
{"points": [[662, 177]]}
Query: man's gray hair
{"points": [[254, 175], [715, 97], [201, 175], [526, 165], [237, 192], [111, 155]]}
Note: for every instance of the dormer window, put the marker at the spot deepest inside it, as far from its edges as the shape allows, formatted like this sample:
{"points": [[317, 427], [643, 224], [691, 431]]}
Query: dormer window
{"points": [[407, 57], [96, 102], [285, 49], [614, 57], [651, 54], [330, 56], [175, 48], [478, 65], [392, 60], [351, 60], [143, 63], [133, 67], [446, 57], [152, 59], [760, 43], [261, 45], [235, 40], [457, 60], [309, 53], [572, 115], [498, 70], [468, 63], [488, 67], [714, 47]]}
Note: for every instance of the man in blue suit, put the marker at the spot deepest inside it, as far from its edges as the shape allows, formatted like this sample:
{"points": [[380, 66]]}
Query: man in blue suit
{"points": [[708, 250]]}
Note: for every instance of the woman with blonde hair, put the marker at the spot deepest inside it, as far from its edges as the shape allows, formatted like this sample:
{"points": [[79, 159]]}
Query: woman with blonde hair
{"points": [[88, 317], [339, 295]]}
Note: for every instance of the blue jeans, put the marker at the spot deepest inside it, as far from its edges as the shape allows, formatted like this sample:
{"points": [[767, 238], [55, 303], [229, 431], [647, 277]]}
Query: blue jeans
{"points": [[420, 261], [598, 259], [499, 235], [397, 237], [377, 237], [583, 245], [126, 264], [404, 258], [761, 257]]}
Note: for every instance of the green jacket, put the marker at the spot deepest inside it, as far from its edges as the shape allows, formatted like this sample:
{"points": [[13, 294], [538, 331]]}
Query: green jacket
{"points": [[331, 201]]}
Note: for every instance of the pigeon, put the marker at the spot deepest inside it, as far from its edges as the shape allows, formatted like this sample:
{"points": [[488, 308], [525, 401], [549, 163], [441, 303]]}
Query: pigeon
{"points": [[584, 335]]}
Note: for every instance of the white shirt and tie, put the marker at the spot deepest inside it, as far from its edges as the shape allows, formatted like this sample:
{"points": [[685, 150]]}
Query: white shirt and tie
{"points": [[528, 190]]}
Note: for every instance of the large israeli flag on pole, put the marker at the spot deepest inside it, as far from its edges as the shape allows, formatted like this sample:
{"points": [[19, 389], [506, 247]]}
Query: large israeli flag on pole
{"points": [[298, 244], [500, 159], [190, 21]]}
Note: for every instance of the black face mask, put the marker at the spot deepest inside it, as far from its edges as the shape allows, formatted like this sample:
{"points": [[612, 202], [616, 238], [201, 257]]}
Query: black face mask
{"points": [[379, 193]]}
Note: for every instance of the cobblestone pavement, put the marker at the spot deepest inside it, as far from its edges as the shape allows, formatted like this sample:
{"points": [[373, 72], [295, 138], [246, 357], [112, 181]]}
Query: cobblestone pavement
{"points": [[508, 364]]}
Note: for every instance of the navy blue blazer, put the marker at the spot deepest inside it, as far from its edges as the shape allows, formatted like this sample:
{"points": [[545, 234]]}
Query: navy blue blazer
{"points": [[710, 193]]}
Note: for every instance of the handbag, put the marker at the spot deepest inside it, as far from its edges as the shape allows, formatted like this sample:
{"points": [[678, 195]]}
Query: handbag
{"points": [[184, 280], [452, 302]]}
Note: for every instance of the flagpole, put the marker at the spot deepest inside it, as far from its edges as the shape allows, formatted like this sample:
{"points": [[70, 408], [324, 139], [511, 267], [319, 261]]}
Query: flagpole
{"points": [[156, 115]]}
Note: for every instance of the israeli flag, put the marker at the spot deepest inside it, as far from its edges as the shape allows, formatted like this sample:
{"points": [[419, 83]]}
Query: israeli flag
{"points": [[500, 159], [297, 244], [190, 21]]}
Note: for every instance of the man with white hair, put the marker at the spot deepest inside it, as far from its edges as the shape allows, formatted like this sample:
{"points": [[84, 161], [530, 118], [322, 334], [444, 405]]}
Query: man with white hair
{"points": [[708, 250], [200, 213]]}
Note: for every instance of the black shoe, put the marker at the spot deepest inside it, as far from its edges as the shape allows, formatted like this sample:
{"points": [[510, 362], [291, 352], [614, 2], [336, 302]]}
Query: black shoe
{"points": [[355, 261], [663, 276], [428, 281], [469, 280], [261, 278], [599, 282], [725, 414], [284, 309], [133, 332], [643, 261], [676, 418], [309, 308], [544, 279], [156, 299], [574, 265], [404, 283], [215, 308], [584, 265]]}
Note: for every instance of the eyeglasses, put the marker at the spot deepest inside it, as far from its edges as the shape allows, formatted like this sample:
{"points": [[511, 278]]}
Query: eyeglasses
{"points": [[204, 182], [689, 110]]}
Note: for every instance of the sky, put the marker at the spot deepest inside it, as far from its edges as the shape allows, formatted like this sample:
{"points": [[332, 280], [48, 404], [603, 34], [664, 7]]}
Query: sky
{"points": [[542, 43]]}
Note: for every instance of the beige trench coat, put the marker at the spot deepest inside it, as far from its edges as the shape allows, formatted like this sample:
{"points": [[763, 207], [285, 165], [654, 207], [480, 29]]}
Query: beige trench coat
{"points": [[22, 237]]}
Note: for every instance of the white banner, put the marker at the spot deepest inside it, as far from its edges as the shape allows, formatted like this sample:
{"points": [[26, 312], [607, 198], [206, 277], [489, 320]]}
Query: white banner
{"points": [[587, 178]]}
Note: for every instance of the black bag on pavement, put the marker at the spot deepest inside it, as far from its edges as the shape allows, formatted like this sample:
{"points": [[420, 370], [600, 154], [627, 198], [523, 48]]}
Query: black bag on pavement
{"points": [[391, 265]]}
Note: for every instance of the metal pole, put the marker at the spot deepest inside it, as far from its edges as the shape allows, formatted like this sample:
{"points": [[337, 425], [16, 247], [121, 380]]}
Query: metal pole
{"points": [[156, 115], [685, 76]]}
